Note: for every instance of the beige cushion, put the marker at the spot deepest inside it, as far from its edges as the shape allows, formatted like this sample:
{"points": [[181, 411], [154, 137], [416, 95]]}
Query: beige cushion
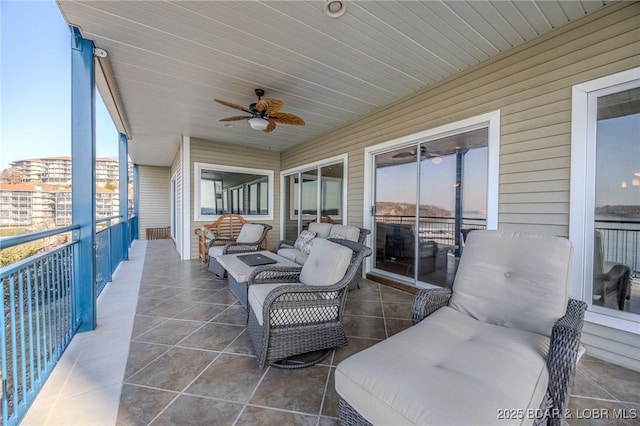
{"points": [[259, 292], [215, 251], [289, 253], [322, 230], [250, 233], [293, 255], [347, 232], [517, 280], [327, 263], [448, 369]]}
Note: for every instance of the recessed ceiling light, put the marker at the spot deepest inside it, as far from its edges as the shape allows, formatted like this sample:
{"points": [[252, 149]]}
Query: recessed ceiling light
{"points": [[335, 8], [228, 125]]}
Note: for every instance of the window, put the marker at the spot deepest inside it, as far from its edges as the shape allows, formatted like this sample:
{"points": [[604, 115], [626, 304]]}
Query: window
{"points": [[605, 198], [320, 197], [225, 189]]}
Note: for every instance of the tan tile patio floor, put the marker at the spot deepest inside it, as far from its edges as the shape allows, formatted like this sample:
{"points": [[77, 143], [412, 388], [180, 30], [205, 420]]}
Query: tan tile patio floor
{"points": [[190, 362]]}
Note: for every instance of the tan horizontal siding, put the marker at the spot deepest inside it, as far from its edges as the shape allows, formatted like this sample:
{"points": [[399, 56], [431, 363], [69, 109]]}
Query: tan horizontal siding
{"points": [[154, 198], [531, 85], [210, 152], [616, 346]]}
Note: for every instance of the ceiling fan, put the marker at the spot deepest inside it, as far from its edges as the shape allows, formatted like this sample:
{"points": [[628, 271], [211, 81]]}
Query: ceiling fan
{"points": [[264, 113]]}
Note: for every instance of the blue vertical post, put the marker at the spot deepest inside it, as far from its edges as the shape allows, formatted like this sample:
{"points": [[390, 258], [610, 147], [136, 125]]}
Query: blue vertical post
{"points": [[123, 189], [83, 177]]}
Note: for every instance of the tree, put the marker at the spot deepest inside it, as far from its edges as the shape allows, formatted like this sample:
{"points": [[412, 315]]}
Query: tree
{"points": [[11, 175], [111, 185]]}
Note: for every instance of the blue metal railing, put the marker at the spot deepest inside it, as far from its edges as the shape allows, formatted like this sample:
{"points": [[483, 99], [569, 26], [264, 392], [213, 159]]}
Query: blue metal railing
{"points": [[38, 320], [133, 229], [109, 251], [39, 317]]}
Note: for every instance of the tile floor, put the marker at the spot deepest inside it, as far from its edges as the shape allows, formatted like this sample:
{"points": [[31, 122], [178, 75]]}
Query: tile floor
{"points": [[190, 362]]}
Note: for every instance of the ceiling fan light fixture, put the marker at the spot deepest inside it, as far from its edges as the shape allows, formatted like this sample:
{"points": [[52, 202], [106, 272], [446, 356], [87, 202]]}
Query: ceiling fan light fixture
{"points": [[335, 8], [258, 123]]}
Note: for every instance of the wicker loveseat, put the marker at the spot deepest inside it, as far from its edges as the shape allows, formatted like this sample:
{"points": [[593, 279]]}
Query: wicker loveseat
{"points": [[500, 347], [291, 250]]}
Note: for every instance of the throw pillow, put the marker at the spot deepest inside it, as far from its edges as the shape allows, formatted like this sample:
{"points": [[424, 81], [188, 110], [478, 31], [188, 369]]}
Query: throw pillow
{"points": [[304, 241], [337, 236], [208, 233]]}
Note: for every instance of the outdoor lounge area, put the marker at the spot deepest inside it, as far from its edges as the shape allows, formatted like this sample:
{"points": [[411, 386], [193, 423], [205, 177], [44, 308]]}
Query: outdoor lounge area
{"points": [[357, 188], [188, 359]]}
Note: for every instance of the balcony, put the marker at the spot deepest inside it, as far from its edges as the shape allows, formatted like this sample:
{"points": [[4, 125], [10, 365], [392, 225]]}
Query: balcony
{"points": [[171, 348]]}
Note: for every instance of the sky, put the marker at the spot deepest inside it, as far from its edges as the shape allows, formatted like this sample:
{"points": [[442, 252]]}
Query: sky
{"points": [[35, 85], [618, 161], [398, 183]]}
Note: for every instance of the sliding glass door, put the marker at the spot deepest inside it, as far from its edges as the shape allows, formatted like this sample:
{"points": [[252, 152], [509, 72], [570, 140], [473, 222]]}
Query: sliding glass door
{"points": [[312, 194], [428, 194]]}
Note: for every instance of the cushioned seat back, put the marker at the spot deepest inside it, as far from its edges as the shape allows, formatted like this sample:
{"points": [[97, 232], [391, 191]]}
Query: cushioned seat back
{"points": [[516, 280], [327, 263], [347, 232], [322, 230], [250, 233]]}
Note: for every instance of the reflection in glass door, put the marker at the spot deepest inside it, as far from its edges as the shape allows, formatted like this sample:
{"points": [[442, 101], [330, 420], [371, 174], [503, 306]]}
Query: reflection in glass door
{"points": [[453, 201], [428, 196], [395, 210], [616, 257]]}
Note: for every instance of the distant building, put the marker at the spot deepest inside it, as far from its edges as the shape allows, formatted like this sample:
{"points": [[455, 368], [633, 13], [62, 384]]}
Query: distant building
{"points": [[57, 170], [25, 204]]}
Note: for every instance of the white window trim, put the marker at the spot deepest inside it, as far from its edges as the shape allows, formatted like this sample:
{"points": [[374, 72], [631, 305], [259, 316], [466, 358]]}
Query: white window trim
{"points": [[198, 167], [491, 120], [582, 195], [342, 158]]}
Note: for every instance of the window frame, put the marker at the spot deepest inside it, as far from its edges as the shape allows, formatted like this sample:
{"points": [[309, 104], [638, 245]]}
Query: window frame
{"points": [[197, 172], [490, 120], [582, 194]]}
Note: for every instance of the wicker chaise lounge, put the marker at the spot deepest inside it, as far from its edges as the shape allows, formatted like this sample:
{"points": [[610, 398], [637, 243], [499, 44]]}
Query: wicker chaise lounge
{"points": [[500, 347], [294, 311]]}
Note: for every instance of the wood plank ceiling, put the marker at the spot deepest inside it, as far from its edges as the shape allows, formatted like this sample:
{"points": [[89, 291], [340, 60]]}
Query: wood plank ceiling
{"points": [[170, 59]]}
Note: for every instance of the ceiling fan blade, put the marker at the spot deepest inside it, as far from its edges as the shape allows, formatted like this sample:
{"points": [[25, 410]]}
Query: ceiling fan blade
{"points": [[271, 126], [236, 118], [286, 118], [232, 105], [269, 106]]}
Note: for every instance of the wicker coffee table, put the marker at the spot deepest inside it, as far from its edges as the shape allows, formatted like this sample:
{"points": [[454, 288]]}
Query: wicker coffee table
{"points": [[238, 272]]}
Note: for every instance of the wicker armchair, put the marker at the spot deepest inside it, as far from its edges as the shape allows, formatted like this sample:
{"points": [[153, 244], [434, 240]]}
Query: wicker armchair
{"points": [[489, 357], [294, 311], [223, 230], [251, 238]]}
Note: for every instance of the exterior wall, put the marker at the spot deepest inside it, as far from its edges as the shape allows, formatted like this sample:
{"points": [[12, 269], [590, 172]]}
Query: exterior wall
{"points": [[203, 151], [531, 85], [154, 208]]}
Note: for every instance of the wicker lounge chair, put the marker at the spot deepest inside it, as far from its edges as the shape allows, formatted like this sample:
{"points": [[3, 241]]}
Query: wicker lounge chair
{"points": [[505, 337], [295, 311], [250, 239]]}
